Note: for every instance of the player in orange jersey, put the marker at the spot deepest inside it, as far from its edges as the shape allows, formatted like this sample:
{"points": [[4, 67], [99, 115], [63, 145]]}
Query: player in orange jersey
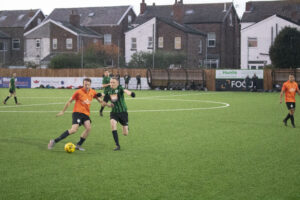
{"points": [[290, 88], [81, 112]]}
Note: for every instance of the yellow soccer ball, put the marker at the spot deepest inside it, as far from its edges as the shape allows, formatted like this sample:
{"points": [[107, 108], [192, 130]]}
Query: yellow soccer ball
{"points": [[69, 147]]}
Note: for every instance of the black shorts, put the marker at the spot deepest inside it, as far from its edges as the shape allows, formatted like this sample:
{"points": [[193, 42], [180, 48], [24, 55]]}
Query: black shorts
{"points": [[12, 90], [106, 98], [79, 118], [120, 117], [291, 105]]}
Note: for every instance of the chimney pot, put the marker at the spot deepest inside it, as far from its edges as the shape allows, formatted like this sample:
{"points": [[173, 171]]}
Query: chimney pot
{"points": [[143, 7]]}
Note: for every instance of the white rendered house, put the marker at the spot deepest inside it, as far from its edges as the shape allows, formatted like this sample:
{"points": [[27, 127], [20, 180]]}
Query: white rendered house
{"points": [[140, 39], [256, 39]]}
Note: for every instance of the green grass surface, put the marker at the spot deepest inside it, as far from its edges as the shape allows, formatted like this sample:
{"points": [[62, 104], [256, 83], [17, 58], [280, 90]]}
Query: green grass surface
{"points": [[240, 152]]}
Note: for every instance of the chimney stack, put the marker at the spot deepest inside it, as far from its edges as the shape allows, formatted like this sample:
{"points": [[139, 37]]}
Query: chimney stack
{"points": [[74, 18], [143, 7], [178, 11]]}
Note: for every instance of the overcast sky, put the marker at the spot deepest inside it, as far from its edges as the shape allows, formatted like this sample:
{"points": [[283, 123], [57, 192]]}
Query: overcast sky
{"points": [[48, 5]]}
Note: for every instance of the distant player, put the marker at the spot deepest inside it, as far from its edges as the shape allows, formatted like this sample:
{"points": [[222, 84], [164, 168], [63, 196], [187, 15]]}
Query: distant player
{"points": [[138, 81], [290, 88], [81, 112], [105, 86], [119, 109], [127, 79], [12, 89]]}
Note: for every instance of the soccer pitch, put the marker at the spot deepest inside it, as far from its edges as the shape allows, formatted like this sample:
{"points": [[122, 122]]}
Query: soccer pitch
{"points": [[181, 145]]}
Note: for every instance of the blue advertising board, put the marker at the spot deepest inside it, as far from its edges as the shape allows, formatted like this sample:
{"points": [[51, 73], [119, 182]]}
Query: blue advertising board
{"points": [[21, 82]]}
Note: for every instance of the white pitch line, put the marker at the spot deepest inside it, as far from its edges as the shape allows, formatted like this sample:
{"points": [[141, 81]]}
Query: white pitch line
{"points": [[30, 105]]}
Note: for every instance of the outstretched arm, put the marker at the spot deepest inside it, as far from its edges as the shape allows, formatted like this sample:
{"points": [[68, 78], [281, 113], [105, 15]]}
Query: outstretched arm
{"points": [[132, 94], [65, 107]]}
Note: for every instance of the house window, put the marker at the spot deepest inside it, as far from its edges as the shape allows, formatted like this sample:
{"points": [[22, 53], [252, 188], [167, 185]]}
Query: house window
{"points": [[200, 47], [212, 63], [211, 37], [177, 43], [107, 39], [38, 43], [129, 19], [2, 18], [230, 20], [150, 43], [69, 43], [39, 21], [252, 42], [16, 44], [133, 44], [160, 42], [54, 43], [3, 46]]}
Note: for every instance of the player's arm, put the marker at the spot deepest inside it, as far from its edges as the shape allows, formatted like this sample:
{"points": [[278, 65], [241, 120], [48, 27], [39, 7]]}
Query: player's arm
{"points": [[65, 107], [281, 93], [105, 85], [129, 93], [98, 97]]}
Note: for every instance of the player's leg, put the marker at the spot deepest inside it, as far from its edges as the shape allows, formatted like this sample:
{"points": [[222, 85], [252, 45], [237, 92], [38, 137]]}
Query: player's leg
{"points": [[292, 111], [10, 95], [15, 97], [125, 130], [84, 135], [288, 104], [124, 122], [65, 134], [113, 124]]}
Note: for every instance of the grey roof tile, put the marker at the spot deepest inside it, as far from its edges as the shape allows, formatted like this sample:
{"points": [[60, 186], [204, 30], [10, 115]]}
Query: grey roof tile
{"points": [[263, 9], [91, 16], [16, 18], [194, 13]]}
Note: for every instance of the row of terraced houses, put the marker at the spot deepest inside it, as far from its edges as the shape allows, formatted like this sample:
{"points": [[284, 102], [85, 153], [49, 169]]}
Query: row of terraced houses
{"points": [[210, 35]]}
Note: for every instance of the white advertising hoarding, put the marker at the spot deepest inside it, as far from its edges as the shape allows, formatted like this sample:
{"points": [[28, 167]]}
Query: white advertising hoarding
{"points": [[238, 74], [66, 82]]}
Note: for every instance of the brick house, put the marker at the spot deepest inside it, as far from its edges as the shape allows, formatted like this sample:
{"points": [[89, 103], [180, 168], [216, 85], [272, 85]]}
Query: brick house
{"points": [[52, 37], [165, 35], [218, 20], [271, 17], [14, 24], [4, 46], [111, 22]]}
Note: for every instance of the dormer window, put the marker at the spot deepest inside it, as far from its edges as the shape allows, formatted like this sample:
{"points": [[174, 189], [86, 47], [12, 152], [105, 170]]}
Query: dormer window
{"points": [[39, 21], [20, 16], [129, 19], [92, 14], [2, 18], [189, 12]]}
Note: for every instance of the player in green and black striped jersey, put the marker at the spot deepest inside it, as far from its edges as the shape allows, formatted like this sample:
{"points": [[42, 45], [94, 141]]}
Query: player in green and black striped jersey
{"points": [[119, 109], [106, 87], [12, 89]]}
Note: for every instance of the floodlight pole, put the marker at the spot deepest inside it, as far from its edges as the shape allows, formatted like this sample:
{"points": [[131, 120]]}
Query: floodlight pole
{"points": [[82, 56]]}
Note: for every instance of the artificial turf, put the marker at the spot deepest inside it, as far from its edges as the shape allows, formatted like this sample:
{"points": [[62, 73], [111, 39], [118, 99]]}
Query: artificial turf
{"points": [[181, 145]]}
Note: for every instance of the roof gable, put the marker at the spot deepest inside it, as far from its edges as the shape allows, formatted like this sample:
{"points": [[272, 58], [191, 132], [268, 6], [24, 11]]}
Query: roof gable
{"points": [[267, 19], [92, 16], [83, 31], [260, 10], [17, 18]]}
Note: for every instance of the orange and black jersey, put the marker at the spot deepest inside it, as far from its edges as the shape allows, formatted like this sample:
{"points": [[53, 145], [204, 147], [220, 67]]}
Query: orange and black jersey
{"points": [[290, 89], [83, 100]]}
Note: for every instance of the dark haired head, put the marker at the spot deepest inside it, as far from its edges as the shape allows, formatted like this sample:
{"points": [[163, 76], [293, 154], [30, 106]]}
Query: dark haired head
{"points": [[88, 80]]}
